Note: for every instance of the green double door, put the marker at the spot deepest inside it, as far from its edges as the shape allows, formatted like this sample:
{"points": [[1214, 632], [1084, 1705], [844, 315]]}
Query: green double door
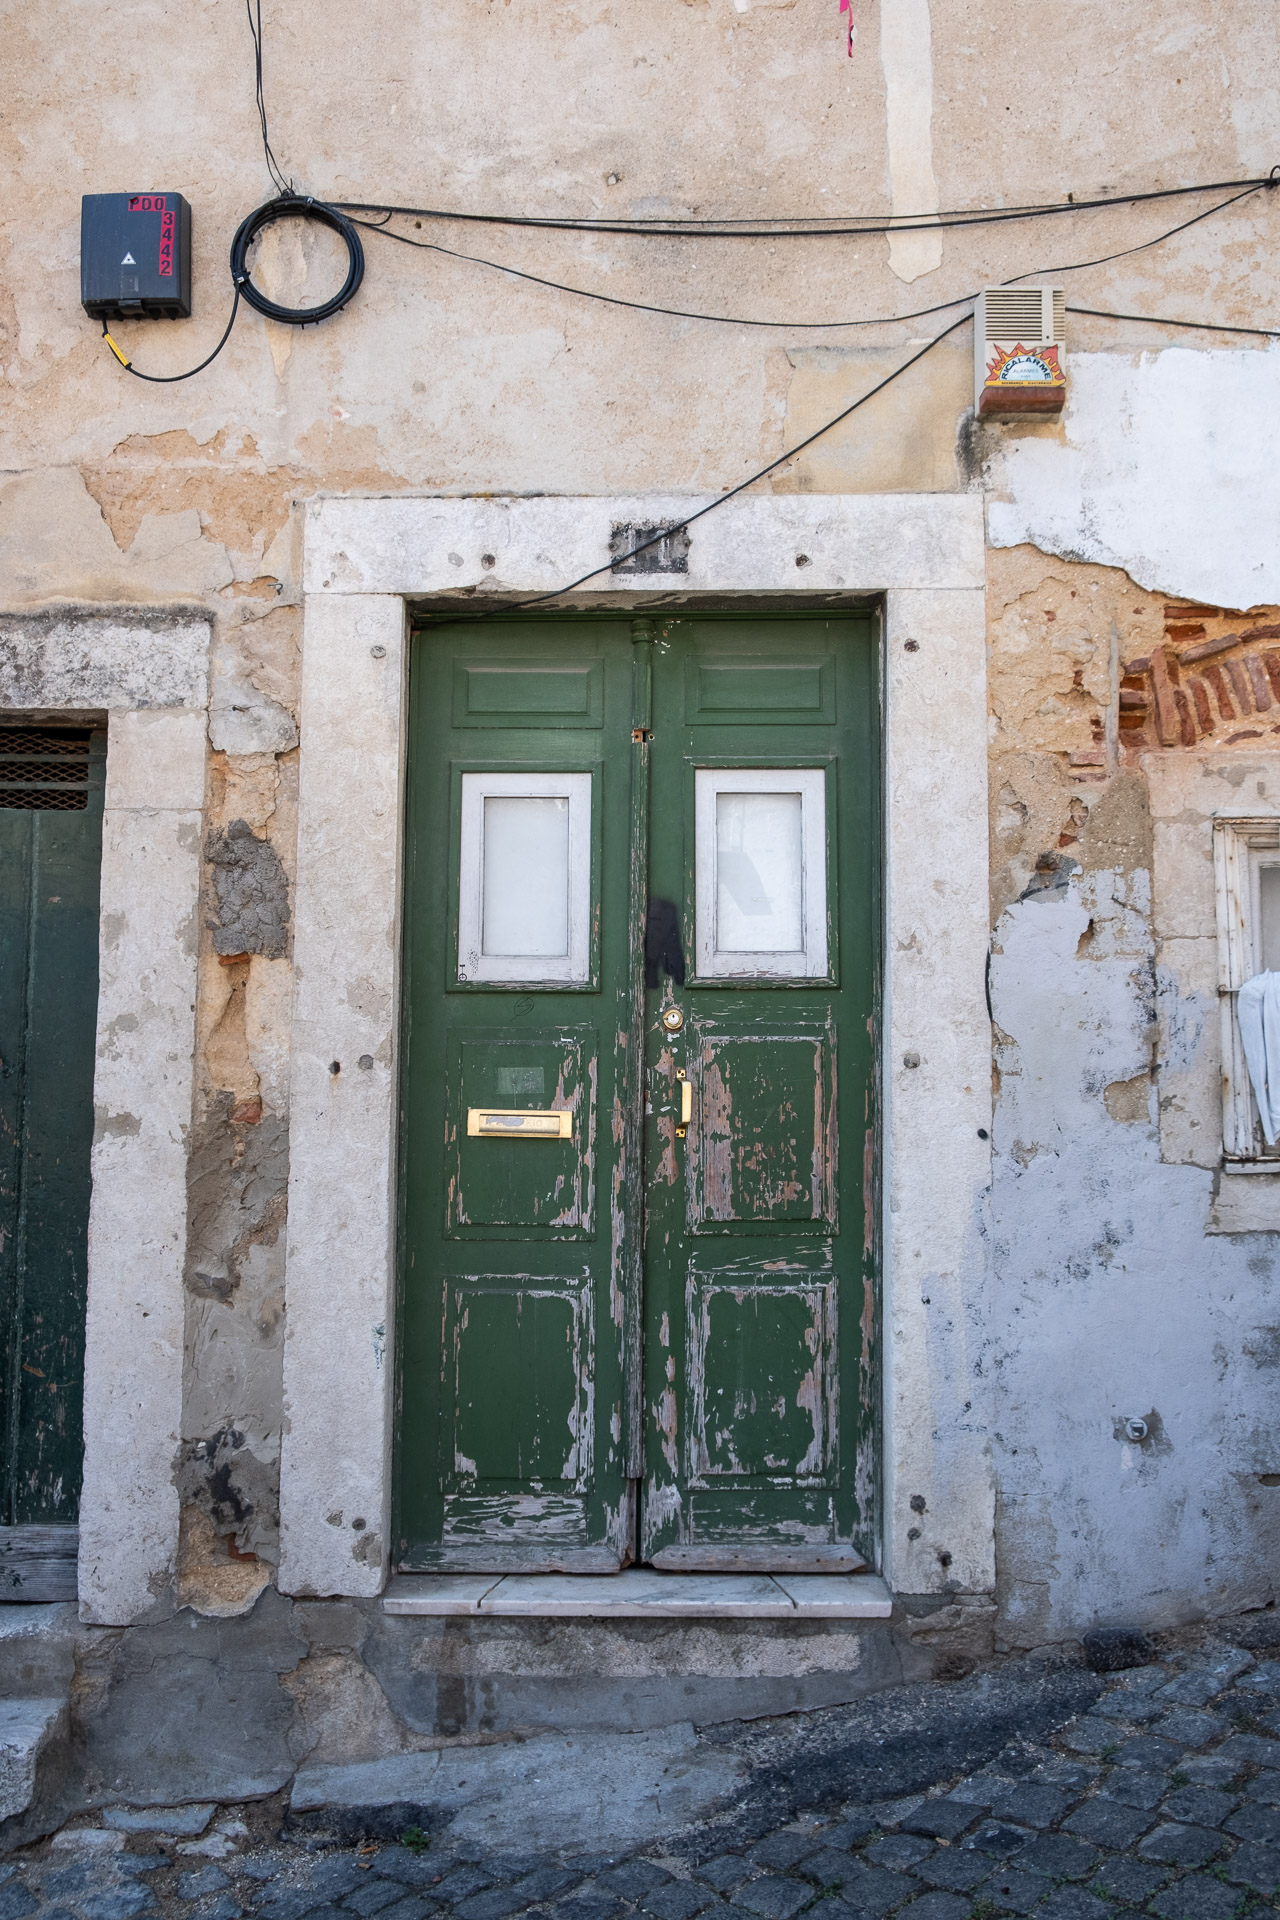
{"points": [[51, 789], [638, 1318]]}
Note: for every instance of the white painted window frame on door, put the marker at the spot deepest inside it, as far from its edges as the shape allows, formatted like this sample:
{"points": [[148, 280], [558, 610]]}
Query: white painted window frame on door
{"points": [[475, 966], [810, 962], [1240, 848], [367, 562]]}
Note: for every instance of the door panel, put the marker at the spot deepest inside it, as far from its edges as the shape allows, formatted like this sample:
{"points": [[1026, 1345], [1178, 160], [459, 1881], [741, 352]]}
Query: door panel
{"points": [[51, 784], [762, 1363], [534, 1435], [638, 1312], [517, 1262], [763, 1150], [528, 1184], [759, 1234]]}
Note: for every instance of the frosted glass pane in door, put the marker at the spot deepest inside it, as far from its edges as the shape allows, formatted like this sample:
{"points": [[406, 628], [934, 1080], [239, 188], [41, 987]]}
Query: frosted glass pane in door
{"points": [[759, 873], [526, 875], [1269, 904]]}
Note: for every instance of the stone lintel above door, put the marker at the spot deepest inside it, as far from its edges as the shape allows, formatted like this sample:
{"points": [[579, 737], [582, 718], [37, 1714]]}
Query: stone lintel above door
{"points": [[367, 561]]}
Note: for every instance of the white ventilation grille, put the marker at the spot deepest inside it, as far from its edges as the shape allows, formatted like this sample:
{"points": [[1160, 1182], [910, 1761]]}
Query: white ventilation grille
{"points": [[1032, 316]]}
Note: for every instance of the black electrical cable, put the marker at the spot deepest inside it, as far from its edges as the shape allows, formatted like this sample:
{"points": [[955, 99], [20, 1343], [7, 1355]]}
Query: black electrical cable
{"points": [[796, 326], [1078, 266], [786, 228], [278, 180], [643, 306], [290, 206], [166, 379], [1162, 320], [730, 493]]}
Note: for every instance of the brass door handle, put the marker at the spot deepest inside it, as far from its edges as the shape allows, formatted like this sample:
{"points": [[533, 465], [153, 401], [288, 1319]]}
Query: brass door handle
{"points": [[686, 1102]]}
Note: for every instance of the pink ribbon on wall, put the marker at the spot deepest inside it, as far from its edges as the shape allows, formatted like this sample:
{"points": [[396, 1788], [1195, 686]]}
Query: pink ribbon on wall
{"points": [[846, 6]]}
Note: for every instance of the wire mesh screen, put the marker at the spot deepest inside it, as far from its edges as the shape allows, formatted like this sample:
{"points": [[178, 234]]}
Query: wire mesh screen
{"points": [[43, 769]]}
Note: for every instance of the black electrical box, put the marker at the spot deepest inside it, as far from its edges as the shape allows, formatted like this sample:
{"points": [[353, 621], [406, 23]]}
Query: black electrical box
{"points": [[135, 256]]}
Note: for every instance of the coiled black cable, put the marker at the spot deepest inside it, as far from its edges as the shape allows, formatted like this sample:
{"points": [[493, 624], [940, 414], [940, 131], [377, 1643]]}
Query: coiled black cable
{"points": [[286, 206], [296, 206]]}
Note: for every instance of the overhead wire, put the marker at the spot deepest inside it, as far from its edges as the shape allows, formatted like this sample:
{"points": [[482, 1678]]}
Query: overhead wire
{"points": [[680, 526], [1197, 326], [645, 306], [1105, 259], [335, 215], [255, 29], [809, 326], [837, 226]]}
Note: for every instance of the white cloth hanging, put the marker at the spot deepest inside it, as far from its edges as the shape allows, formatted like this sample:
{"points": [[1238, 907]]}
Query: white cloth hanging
{"points": [[1258, 1011]]}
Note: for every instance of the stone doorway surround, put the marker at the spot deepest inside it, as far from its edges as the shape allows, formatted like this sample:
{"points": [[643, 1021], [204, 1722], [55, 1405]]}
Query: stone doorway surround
{"points": [[147, 671], [368, 562]]}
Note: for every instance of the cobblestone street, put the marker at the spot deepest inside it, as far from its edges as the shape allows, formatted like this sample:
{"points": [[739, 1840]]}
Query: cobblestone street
{"points": [[1035, 1789]]}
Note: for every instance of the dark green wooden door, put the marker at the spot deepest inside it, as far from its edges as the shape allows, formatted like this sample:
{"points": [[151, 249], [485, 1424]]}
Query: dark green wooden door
{"points": [[50, 856], [519, 1251], [642, 926], [759, 1238]]}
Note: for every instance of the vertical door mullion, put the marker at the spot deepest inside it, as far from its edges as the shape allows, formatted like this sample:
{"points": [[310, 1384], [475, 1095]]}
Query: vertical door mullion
{"points": [[642, 634]]}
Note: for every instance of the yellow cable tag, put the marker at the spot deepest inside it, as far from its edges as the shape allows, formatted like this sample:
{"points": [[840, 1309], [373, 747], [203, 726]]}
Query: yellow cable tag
{"points": [[114, 348]]}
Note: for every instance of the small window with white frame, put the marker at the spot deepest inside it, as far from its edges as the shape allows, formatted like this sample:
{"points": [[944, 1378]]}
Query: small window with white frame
{"points": [[524, 889], [760, 873], [1247, 874]]}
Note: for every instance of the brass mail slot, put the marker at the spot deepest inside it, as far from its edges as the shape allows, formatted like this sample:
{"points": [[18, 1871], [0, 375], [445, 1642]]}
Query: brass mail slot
{"points": [[511, 1123]]}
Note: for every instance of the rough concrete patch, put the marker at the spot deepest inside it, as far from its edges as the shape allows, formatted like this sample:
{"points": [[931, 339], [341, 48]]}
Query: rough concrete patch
{"points": [[342, 1712], [163, 1717], [1050, 882], [446, 1678], [1129, 1100], [236, 1187], [88, 660], [252, 893], [1245, 1203], [608, 1790], [953, 1634], [233, 1388], [1118, 830], [212, 1577], [237, 1490]]}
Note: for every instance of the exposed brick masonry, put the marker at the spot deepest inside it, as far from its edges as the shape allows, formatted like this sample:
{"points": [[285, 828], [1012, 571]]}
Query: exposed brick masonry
{"points": [[1215, 678]]}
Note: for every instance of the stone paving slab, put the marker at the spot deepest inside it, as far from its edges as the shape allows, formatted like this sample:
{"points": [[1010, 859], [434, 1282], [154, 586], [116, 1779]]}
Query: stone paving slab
{"points": [[1153, 1792]]}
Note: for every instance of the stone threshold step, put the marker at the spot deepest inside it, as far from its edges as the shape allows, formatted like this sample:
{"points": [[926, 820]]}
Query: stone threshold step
{"points": [[642, 1594]]}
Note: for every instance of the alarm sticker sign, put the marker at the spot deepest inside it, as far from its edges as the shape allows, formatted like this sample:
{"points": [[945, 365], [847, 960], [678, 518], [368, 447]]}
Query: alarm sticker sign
{"points": [[1026, 366]]}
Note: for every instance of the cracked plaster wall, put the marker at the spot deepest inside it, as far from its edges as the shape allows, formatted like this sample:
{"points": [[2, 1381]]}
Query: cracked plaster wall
{"points": [[442, 376], [1119, 1287]]}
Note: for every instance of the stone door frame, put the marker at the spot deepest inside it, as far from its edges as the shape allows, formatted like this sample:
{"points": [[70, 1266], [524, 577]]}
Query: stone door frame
{"points": [[147, 671], [367, 562]]}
